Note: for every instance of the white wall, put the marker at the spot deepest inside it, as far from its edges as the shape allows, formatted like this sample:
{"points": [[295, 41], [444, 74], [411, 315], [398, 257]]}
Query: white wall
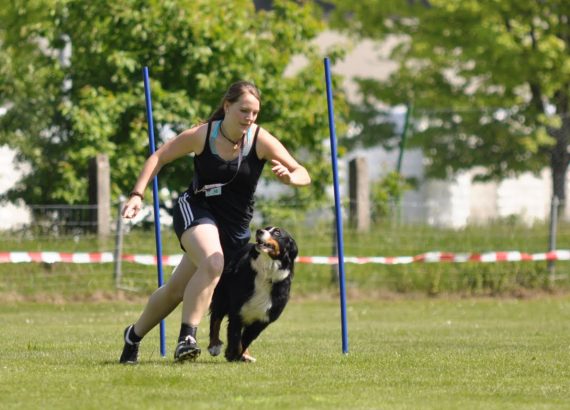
{"points": [[527, 196], [461, 201], [11, 216]]}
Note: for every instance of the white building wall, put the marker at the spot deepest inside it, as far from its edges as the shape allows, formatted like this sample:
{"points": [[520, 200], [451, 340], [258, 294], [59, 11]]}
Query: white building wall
{"points": [[448, 202], [12, 216], [463, 201], [527, 196], [460, 201], [483, 206]]}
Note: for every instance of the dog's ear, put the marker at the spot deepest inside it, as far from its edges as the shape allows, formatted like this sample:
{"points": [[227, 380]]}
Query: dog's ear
{"points": [[294, 251]]}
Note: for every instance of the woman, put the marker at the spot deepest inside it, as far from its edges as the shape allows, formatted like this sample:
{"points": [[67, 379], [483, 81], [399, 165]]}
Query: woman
{"points": [[212, 217]]}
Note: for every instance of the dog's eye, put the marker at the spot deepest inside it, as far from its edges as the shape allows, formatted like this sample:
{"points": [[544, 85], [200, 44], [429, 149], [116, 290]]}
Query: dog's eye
{"points": [[277, 232]]}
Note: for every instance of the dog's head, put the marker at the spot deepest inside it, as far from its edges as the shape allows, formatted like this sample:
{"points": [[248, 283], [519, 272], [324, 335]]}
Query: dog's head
{"points": [[277, 243]]}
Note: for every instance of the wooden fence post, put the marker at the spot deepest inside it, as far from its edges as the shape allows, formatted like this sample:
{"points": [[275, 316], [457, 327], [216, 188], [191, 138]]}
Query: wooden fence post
{"points": [[359, 194], [100, 192], [118, 254]]}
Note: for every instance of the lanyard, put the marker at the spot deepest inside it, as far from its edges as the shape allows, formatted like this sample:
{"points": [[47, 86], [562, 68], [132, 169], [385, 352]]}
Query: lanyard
{"points": [[210, 187]]}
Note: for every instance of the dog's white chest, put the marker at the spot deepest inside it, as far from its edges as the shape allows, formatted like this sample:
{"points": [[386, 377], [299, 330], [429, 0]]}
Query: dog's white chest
{"points": [[257, 307]]}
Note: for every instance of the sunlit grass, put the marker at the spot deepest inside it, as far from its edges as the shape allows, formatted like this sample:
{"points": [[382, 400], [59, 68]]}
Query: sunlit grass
{"points": [[403, 354]]}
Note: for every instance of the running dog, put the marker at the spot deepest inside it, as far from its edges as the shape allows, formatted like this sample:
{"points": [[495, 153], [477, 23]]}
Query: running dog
{"points": [[252, 292]]}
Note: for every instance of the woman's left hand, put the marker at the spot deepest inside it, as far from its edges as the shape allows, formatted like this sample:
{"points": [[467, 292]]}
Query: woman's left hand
{"points": [[281, 171]]}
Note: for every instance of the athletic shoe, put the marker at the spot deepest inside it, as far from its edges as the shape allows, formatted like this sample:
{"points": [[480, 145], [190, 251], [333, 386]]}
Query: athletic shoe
{"points": [[130, 353], [187, 349]]}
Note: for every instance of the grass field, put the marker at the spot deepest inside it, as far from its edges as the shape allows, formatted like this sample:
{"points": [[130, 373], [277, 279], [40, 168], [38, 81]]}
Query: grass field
{"points": [[427, 353]]}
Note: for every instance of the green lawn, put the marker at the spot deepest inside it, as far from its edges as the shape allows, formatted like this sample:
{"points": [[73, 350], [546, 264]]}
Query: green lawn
{"points": [[404, 354]]}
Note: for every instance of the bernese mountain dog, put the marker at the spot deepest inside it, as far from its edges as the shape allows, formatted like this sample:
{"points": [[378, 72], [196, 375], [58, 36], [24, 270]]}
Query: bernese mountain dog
{"points": [[252, 292]]}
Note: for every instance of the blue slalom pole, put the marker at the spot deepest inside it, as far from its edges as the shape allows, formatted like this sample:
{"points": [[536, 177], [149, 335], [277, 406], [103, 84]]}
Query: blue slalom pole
{"points": [[156, 208], [339, 235]]}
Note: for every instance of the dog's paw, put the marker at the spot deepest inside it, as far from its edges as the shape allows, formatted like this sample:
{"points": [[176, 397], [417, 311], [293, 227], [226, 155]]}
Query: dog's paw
{"points": [[215, 350]]}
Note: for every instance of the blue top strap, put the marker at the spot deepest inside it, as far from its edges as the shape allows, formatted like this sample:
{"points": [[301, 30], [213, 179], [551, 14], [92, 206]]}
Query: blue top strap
{"points": [[214, 135]]}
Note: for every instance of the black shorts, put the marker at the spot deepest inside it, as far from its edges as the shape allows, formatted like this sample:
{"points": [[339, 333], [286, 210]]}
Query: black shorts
{"points": [[189, 212]]}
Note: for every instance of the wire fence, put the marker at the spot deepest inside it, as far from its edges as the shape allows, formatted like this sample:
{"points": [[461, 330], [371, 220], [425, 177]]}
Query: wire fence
{"points": [[61, 220]]}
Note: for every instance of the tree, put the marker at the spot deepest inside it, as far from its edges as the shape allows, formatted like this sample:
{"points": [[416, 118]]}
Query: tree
{"points": [[64, 108], [489, 80]]}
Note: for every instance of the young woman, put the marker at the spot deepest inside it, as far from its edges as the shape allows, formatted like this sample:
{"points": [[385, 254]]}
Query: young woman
{"points": [[212, 217]]}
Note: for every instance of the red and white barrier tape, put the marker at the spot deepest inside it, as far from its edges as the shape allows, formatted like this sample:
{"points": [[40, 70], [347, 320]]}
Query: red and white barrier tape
{"points": [[435, 257], [173, 260]]}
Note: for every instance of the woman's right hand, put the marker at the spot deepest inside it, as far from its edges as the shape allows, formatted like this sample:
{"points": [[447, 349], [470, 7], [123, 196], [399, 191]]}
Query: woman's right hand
{"points": [[132, 207]]}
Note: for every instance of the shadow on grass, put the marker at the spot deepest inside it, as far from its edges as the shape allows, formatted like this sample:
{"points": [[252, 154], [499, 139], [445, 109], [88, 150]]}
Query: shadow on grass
{"points": [[171, 363]]}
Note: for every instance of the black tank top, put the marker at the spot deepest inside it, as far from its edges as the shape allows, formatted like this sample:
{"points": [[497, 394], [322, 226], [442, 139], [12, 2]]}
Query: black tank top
{"points": [[233, 208]]}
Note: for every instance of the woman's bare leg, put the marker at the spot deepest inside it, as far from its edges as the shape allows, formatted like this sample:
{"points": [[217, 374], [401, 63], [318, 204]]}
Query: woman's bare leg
{"points": [[165, 299], [205, 251]]}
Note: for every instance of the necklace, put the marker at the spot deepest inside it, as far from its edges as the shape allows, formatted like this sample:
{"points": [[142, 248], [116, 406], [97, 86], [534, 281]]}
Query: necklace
{"points": [[229, 139]]}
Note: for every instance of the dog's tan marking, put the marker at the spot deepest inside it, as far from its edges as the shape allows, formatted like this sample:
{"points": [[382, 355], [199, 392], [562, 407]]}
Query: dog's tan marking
{"points": [[275, 246]]}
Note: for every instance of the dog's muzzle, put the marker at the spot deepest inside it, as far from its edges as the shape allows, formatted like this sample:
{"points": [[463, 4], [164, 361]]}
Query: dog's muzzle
{"points": [[265, 242]]}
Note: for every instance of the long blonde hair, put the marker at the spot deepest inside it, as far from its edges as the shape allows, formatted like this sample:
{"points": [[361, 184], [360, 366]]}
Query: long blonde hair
{"points": [[234, 92]]}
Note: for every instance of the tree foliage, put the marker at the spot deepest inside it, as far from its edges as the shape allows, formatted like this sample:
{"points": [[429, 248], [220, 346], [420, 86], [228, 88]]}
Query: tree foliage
{"points": [[62, 111], [489, 80]]}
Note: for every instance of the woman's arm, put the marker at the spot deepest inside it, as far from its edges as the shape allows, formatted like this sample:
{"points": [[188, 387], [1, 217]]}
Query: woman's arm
{"points": [[191, 140], [284, 166]]}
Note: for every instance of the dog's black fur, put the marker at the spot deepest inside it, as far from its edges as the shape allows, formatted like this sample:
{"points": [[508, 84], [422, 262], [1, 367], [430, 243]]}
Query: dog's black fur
{"points": [[252, 292]]}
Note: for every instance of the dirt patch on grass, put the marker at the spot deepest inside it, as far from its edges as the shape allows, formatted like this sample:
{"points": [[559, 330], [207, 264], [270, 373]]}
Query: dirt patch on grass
{"points": [[59, 298], [352, 294], [383, 294]]}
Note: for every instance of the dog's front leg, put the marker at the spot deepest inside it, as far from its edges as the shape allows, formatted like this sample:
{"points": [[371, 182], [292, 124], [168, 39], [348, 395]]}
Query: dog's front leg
{"points": [[234, 349], [251, 332], [215, 346]]}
